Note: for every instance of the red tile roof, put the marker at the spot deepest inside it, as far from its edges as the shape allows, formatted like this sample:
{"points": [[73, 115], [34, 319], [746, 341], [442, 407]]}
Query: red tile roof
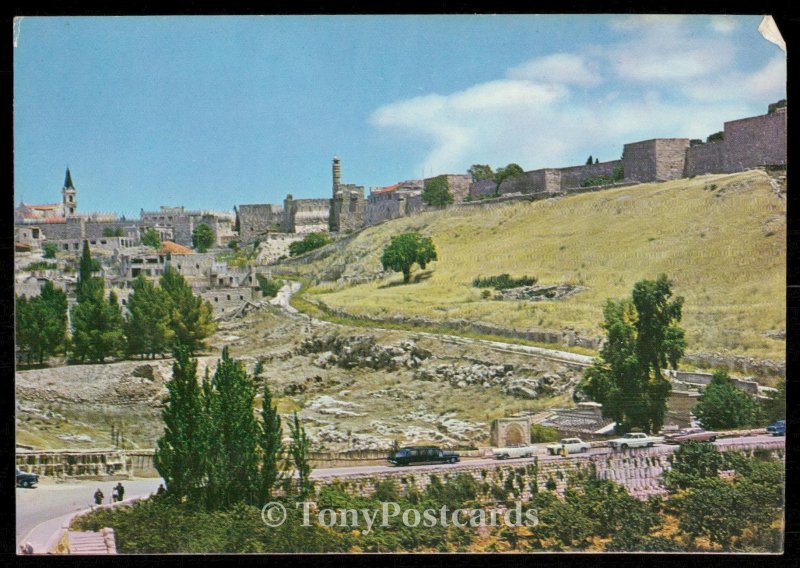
{"points": [[388, 188], [175, 248]]}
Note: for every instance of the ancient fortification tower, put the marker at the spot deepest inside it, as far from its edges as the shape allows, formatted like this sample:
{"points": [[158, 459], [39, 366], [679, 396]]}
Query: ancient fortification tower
{"points": [[347, 203], [69, 197]]}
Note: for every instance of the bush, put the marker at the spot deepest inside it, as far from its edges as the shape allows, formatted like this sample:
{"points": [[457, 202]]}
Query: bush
{"points": [[503, 282], [50, 250], [41, 265], [310, 242], [115, 232], [541, 434], [596, 180], [269, 287]]}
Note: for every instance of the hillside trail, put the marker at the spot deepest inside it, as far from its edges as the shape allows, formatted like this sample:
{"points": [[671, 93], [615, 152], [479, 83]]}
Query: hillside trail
{"points": [[284, 296]]}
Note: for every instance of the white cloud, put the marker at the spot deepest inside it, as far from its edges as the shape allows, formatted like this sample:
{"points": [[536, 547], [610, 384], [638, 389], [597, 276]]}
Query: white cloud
{"points": [[723, 24], [661, 80], [566, 68]]}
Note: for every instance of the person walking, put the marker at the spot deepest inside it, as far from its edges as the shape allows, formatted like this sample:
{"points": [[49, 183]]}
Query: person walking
{"points": [[98, 497], [120, 491]]}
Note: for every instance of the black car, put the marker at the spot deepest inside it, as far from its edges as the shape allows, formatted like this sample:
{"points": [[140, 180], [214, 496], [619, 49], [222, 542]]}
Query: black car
{"points": [[422, 454], [26, 479]]}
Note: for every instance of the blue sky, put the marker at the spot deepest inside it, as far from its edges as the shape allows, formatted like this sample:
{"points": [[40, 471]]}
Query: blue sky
{"points": [[211, 112]]}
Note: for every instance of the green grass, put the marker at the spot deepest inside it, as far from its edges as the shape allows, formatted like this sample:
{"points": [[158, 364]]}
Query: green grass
{"points": [[724, 248]]}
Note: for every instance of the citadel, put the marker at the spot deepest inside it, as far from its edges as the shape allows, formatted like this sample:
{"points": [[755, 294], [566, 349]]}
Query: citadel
{"points": [[753, 142]]}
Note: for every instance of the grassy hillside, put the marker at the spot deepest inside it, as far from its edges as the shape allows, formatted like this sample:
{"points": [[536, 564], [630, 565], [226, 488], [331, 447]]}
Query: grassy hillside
{"points": [[721, 238]]}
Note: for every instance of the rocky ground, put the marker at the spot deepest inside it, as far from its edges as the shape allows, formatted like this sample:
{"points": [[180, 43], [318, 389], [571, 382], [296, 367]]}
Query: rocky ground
{"points": [[353, 388]]}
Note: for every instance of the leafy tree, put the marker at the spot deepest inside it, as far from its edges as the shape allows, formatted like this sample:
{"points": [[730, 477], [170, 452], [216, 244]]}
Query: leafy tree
{"points": [[190, 315], [97, 328], [642, 337], [298, 455], [716, 137], [147, 326], [151, 238], [50, 249], [113, 232], [723, 406], [437, 192], [310, 242], [203, 237], [774, 407], [180, 451], [480, 172], [97, 323], [541, 434], [405, 250], [270, 441], [691, 462], [232, 444], [775, 106], [41, 323], [508, 172], [269, 287]]}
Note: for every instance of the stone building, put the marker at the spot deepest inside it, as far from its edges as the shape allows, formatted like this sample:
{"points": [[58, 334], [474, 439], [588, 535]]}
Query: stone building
{"points": [[347, 203], [258, 220]]}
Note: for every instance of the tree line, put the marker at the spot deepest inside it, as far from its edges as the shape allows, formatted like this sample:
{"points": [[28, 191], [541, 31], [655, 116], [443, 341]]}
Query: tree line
{"points": [[157, 318], [214, 451]]}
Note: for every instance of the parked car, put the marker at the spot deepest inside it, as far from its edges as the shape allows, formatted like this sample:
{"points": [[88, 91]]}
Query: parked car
{"points": [[635, 440], [26, 479], [777, 428], [513, 451], [570, 445], [422, 454], [693, 434]]}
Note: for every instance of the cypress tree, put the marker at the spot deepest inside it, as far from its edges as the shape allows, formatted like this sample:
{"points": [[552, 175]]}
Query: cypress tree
{"points": [[298, 454], [180, 450], [148, 323], [270, 442], [190, 315]]}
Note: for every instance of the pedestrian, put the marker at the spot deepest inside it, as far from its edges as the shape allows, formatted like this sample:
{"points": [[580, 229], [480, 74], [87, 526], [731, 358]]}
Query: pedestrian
{"points": [[161, 489], [120, 491], [98, 497]]}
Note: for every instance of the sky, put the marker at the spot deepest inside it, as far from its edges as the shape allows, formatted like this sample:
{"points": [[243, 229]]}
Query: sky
{"points": [[212, 112]]}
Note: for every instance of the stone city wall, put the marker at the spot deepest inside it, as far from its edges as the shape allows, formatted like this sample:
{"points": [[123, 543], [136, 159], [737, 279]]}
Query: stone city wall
{"points": [[705, 159], [756, 141], [255, 220], [572, 177]]}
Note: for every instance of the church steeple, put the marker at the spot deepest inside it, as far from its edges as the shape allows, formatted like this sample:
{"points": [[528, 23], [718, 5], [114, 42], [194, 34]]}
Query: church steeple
{"points": [[68, 181], [69, 196]]}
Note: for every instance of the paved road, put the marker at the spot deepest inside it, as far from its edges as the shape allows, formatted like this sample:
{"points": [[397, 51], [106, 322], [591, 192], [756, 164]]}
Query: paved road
{"points": [[51, 500], [722, 444]]}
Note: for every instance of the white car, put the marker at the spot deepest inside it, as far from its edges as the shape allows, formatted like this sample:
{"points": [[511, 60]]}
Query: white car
{"points": [[513, 451], [635, 440], [570, 445]]}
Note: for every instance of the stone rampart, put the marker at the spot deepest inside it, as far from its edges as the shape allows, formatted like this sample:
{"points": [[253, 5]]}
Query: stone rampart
{"points": [[574, 176], [705, 159], [756, 141]]}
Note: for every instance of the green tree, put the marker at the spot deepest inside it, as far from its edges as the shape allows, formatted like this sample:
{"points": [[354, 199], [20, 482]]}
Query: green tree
{"points": [[298, 455], [151, 238], [41, 323], [97, 323], [772, 107], [181, 450], [232, 448], [774, 407], [269, 287], [308, 243], [437, 192], [147, 326], [642, 338], [480, 172], [508, 172], [691, 462], [270, 442], [723, 406], [589, 160], [203, 237], [190, 315], [407, 249], [50, 249], [113, 232], [236, 223]]}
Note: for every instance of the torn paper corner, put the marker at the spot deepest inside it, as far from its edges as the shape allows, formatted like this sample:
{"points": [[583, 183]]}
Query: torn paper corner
{"points": [[769, 29], [17, 24]]}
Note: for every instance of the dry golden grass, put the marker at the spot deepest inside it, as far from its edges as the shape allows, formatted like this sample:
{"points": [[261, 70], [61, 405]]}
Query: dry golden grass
{"points": [[720, 238]]}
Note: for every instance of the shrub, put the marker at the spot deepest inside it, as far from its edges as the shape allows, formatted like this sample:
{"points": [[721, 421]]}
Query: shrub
{"points": [[503, 282], [50, 250], [269, 287], [310, 242], [541, 433], [596, 180]]}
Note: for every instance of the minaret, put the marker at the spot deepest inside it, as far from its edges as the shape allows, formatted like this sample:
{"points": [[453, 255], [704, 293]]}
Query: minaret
{"points": [[69, 197], [337, 175]]}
